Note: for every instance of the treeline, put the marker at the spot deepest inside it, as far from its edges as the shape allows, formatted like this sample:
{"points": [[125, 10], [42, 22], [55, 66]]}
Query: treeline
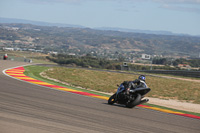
{"points": [[162, 61], [165, 61], [191, 62], [92, 62], [84, 61]]}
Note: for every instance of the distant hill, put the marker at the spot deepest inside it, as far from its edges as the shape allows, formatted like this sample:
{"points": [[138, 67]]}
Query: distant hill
{"points": [[39, 23], [140, 31], [98, 42]]}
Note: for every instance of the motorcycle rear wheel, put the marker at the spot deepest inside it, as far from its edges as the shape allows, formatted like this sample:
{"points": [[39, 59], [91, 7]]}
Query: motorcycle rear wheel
{"points": [[135, 102], [111, 100]]}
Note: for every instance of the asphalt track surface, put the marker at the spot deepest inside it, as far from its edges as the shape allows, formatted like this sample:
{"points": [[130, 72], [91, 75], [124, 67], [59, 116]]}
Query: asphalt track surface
{"points": [[27, 108]]}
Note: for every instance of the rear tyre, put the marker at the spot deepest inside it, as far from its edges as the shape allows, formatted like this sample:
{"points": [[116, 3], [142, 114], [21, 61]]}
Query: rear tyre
{"points": [[111, 100], [135, 102]]}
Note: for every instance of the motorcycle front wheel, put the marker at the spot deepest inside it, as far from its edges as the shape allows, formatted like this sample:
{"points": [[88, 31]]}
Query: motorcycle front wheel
{"points": [[111, 100]]}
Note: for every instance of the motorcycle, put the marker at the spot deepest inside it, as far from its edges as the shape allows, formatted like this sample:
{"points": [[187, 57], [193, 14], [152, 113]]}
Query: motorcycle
{"points": [[128, 96], [5, 57]]}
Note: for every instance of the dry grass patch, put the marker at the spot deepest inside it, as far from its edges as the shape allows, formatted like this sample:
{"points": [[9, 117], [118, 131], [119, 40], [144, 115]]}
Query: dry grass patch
{"points": [[107, 81]]}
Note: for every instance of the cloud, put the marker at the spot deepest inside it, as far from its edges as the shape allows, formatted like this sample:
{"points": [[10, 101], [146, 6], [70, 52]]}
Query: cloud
{"points": [[178, 1], [56, 1], [169, 1], [178, 5], [82, 1], [181, 8]]}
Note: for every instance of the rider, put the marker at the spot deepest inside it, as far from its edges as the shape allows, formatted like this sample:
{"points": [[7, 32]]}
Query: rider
{"points": [[5, 57], [140, 82]]}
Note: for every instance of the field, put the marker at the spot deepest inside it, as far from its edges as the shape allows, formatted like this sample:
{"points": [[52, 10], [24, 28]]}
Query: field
{"points": [[106, 81]]}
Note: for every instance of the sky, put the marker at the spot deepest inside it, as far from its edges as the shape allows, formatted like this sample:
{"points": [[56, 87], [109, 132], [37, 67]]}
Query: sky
{"points": [[177, 16]]}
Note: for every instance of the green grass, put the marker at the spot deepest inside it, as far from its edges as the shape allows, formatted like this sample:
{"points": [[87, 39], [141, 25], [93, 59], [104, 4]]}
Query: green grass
{"points": [[34, 71]]}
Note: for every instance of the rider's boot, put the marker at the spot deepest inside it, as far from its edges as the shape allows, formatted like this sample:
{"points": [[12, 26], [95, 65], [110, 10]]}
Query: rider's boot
{"points": [[144, 101]]}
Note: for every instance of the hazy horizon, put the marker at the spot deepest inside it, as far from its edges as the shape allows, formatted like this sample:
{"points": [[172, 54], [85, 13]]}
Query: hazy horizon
{"points": [[177, 16]]}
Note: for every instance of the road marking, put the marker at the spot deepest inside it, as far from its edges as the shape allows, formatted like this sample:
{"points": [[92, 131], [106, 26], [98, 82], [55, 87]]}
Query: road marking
{"points": [[18, 73]]}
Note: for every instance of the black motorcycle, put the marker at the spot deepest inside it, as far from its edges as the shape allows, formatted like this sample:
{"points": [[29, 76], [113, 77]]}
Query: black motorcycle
{"points": [[128, 96]]}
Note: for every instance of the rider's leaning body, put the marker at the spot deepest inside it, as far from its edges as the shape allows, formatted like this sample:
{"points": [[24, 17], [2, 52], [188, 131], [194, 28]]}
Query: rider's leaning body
{"points": [[138, 83]]}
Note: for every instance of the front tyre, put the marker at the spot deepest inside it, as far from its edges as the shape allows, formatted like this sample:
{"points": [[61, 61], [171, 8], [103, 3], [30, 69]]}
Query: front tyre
{"points": [[135, 102], [112, 99]]}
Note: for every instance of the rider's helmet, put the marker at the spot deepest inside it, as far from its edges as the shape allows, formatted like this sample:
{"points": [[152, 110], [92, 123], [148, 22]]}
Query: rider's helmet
{"points": [[142, 77]]}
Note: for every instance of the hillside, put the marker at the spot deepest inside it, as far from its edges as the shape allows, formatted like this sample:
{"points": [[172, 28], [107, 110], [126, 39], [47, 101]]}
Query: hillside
{"points": [[85, 40]]}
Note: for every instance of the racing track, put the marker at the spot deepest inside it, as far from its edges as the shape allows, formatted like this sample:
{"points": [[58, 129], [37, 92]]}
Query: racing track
{"points": [[27, 108]]}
